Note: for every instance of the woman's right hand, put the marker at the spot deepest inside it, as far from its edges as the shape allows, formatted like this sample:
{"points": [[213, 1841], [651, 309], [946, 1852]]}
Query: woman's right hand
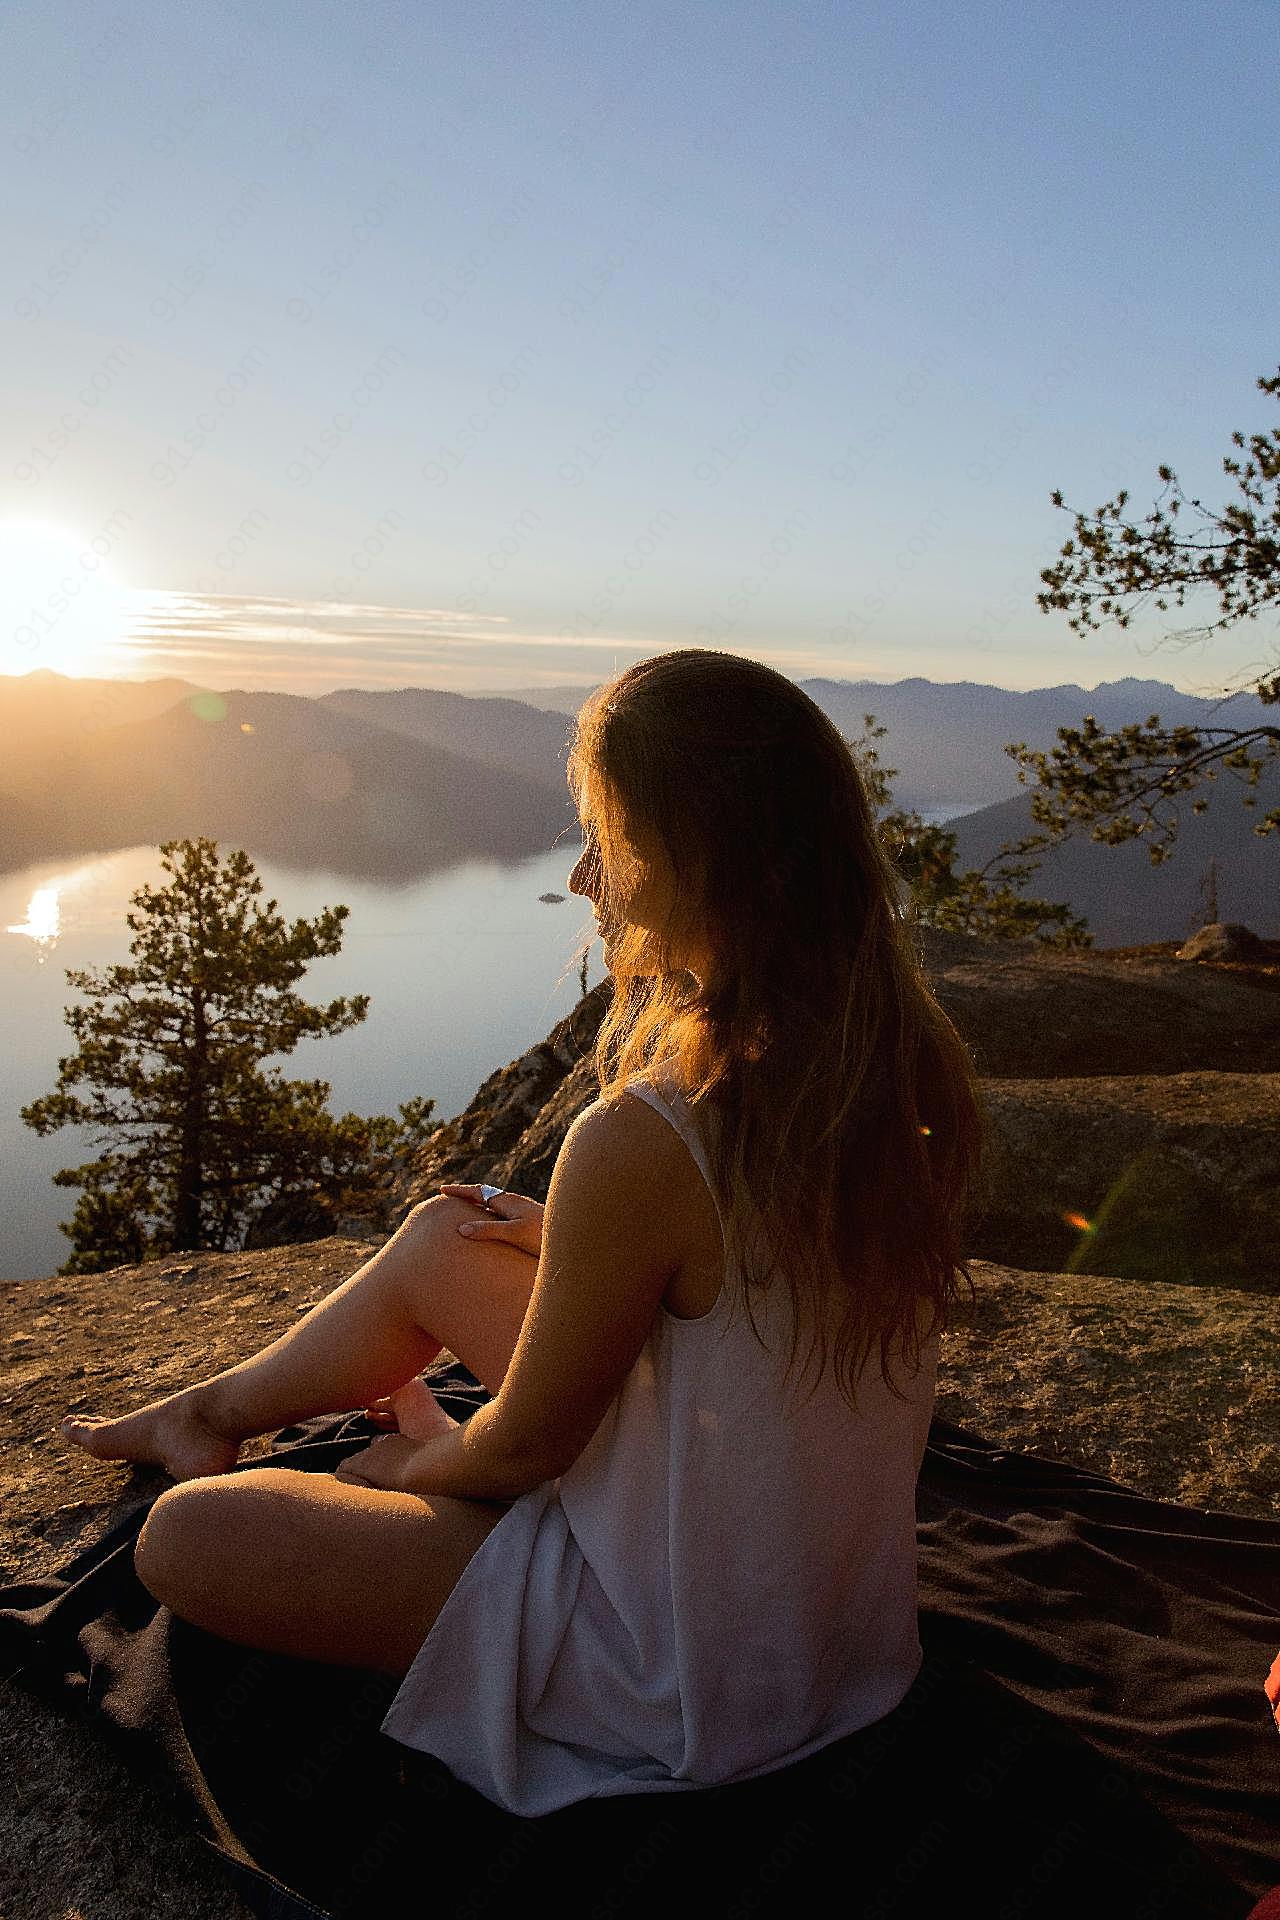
{"points": [[510, 1217]]}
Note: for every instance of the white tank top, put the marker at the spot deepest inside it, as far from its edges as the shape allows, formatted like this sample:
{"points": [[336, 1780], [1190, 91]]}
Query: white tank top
{"points": [[722, 1582]]}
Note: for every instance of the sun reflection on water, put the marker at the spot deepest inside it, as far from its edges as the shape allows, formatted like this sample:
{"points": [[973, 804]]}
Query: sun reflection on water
{"points": [[43, 923]]}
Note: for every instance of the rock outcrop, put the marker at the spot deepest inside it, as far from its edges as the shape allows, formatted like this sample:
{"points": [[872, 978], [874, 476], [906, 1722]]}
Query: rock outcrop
{"points": [[1223, 940], [1045, 1014], [1169, 1177]]}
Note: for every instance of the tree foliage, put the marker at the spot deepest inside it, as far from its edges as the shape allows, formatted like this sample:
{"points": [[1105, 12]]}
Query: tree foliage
{"points": [[202, 1142], [984, 900], [1112, 568]]}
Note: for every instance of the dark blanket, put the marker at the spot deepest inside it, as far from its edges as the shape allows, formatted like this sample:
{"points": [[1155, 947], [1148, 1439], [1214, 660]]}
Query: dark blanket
{"points": [[1089, 1734]]}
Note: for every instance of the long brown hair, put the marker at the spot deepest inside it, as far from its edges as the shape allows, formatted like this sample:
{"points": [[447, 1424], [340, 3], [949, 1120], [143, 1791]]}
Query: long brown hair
{"points": [[848, 1104]]}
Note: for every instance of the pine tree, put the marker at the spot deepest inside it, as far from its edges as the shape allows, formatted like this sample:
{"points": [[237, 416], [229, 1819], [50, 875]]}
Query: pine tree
{"points": [[1120, 783], [985, 900], [201, 1139]]}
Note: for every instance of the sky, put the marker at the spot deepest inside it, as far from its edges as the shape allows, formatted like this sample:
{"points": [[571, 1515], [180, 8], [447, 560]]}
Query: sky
{"points": [[498, 345]]}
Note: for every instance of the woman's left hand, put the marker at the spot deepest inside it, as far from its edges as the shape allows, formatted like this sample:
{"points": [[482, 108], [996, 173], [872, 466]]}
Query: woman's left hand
{"points": [[381, 1464]]}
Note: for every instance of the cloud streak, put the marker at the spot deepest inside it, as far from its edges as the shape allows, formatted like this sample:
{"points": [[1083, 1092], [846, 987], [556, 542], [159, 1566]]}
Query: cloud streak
{"points": [[315, 646]]}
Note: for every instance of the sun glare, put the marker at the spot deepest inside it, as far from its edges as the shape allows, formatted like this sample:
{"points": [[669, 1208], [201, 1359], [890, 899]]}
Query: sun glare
{"points": [[44, 919], [61, 603]]}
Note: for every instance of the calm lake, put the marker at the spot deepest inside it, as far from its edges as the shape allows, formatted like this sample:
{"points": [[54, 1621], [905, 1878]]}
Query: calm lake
{"points": [[465, 971]]}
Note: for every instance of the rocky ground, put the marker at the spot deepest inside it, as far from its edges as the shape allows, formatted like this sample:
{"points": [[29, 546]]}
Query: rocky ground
{"points": [[80, 1837], [1171, 1388]]}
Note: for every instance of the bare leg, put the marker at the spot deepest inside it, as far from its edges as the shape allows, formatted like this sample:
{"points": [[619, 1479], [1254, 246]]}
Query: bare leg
{"points": [[429, 1287]]}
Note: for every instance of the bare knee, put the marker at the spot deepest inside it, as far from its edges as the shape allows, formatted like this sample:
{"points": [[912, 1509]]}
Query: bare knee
{"points": [[437, 1220], [473, 1294], [427, 1231], [428, 1236], [432, 1221], [411, 1258], [166, 1555]]}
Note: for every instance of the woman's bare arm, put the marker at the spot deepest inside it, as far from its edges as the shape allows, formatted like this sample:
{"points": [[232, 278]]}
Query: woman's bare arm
{"points": [[607, 1258]]}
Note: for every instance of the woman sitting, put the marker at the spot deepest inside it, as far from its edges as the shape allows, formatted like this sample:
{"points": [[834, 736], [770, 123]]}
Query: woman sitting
{"points": [[677, 1546]]}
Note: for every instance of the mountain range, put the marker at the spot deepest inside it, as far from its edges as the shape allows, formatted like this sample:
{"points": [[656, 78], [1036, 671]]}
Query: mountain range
{"points": [[395, 785], [947, 738], [101, 765], [1216, 869]]}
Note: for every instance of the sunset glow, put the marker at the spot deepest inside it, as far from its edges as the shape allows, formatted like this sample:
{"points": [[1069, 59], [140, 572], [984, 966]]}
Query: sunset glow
{"points": [[62, 605]]}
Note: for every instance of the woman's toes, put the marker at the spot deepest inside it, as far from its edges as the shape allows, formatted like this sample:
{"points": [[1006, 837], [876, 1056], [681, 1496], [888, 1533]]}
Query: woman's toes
{"points": [[172, 1435], [86, 1432], [104, 1439]]}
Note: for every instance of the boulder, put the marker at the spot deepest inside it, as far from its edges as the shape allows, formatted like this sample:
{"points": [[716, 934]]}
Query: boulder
{"points": [[1059, 1012], [1223, 940], [1148, 1177]]}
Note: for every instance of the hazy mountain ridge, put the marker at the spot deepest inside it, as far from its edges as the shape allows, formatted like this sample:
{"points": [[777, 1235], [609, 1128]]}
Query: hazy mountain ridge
{"points": [[281, 774], [1126, 899], [496, 729], [394, 784], [42, 711], [947, 739]]}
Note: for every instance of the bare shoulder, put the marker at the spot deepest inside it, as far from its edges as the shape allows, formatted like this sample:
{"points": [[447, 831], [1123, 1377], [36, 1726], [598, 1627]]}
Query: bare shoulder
{"points": [[622, 1146], [624, 1135], [625, 1147]]}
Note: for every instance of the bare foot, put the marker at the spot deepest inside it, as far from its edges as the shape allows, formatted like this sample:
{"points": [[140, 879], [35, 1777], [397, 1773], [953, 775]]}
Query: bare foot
{"points": [[172, 1433], [412, 1409]]}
